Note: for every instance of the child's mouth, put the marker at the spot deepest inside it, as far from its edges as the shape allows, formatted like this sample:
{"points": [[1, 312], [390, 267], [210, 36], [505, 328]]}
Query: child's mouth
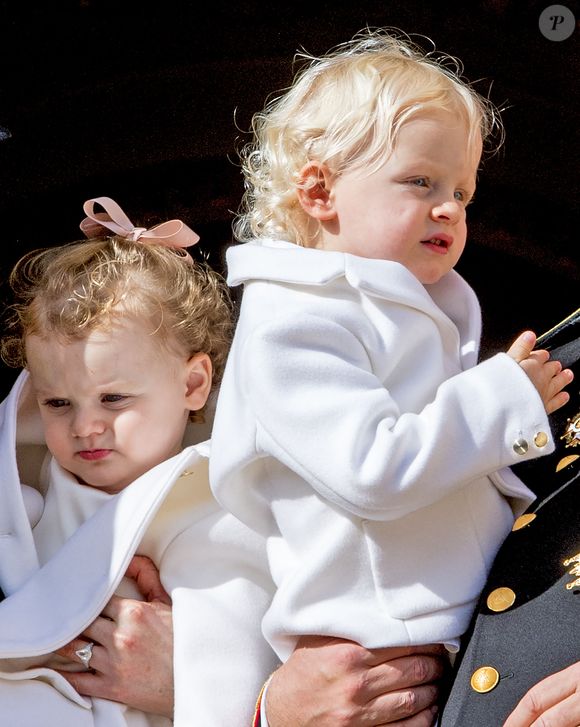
{"points": [[94, 454], [439, 245]]}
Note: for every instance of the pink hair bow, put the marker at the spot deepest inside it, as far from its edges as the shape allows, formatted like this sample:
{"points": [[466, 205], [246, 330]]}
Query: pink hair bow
{"points": [[173, 233]]}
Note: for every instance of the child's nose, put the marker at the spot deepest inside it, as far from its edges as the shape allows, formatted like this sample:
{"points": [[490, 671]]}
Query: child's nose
{"points": [[449, 211], [86, 422]]}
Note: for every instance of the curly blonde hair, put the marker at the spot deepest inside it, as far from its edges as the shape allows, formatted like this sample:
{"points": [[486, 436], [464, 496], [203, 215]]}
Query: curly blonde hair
{"points": [[345, 109], [73, 289]]}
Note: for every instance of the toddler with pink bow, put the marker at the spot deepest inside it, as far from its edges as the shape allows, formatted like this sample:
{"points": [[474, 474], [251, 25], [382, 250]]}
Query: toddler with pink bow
{"points": [[123, 339]]}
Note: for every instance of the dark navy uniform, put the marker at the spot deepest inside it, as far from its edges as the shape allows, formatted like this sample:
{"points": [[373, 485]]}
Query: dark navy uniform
{"points": [[527, 623]]}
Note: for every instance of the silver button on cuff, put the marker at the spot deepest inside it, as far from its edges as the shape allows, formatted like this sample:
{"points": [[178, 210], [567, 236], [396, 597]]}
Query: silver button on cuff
{"points": [[520, 446]]}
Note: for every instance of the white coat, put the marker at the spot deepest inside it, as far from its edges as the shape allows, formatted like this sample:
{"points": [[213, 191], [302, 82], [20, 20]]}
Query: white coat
{"points": [[212, 566], [356, 432]]}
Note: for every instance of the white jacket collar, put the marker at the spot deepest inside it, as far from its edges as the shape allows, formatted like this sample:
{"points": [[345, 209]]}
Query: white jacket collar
{"points": [[284, 262]]}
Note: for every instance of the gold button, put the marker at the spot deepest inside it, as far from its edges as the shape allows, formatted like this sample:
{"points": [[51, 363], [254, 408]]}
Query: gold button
{"points": [[541, 439], [501, 599], [186, 473], [484, 679], [523, 520], [521, 446]]}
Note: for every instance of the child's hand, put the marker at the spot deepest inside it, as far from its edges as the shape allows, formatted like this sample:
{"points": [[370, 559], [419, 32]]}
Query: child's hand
{"points": [[545, 374]]}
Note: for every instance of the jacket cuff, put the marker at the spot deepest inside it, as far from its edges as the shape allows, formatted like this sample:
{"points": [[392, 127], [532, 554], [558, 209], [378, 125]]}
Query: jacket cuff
{"points": [[260, 719]]}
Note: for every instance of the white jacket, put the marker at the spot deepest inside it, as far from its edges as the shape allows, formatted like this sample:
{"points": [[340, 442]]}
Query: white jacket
{"points": [[354, 430], [212, 566]]}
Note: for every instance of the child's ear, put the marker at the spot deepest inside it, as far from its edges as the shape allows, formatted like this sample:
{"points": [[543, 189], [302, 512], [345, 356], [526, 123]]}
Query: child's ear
{"points": [[198, 385], [314, 193]]}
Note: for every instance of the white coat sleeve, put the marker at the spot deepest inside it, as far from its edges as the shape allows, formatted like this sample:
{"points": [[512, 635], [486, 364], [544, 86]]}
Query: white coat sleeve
{"points": [[322, 412], [216, 575]]}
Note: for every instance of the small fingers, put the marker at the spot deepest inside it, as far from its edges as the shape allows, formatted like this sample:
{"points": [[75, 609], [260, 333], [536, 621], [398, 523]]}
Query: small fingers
{"points": [[557, 397], [543, 357], [557, 402], [552, 371], [562, 378]]}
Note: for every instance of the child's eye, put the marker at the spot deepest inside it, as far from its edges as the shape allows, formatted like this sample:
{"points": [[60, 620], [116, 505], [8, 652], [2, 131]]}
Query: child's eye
{"points": [[466, 198], [419, 182], [112, 398], [56, 403]]}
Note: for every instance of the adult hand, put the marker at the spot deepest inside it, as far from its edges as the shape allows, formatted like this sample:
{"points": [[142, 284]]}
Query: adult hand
{"points": [[553, 702], [132, 659], [328, 682]]}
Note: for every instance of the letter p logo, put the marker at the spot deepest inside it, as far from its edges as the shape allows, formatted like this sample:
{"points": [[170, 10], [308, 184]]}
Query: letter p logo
{"points": [[557, 22]]}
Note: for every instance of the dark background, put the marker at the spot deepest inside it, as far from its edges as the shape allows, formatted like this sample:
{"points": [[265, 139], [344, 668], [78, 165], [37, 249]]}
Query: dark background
{"points": [[148, 103]]}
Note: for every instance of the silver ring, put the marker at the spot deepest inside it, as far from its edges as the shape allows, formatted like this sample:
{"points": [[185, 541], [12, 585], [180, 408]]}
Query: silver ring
{"points": [[85, 654]]}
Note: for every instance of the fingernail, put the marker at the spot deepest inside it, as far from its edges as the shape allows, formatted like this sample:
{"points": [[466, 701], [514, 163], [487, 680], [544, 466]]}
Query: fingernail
{"points": [[529, 337]]}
